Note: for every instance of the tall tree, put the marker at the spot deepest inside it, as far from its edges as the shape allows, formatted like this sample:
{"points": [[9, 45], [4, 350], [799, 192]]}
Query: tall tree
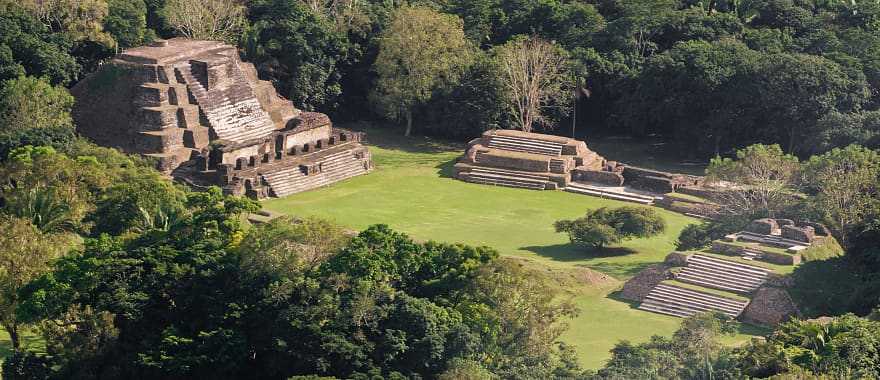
{"points": [[420, 51], [758, 183], [536, 76], [221, 20], [25, 254], [845, 184], [29, 102]]}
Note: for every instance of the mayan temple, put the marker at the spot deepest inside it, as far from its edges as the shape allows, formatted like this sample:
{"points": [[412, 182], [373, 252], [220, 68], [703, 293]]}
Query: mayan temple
{"points": [[207, 119]]}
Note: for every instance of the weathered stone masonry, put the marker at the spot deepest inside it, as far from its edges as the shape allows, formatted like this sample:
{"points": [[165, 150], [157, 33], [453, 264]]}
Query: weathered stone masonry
{"points": [[207, 119]]}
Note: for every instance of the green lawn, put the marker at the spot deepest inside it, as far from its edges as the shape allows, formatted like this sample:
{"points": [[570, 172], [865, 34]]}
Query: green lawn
{"points": [[412, 191]]}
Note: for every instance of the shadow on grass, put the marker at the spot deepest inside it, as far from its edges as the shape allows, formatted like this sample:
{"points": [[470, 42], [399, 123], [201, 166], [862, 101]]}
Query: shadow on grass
{"points": [[29, 341], [620, 271], [569, 252], [616, 296], [389, 136]]}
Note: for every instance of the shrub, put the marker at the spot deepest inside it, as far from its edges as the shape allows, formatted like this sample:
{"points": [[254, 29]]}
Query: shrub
{"points": [[697, 236], [605, 226]]}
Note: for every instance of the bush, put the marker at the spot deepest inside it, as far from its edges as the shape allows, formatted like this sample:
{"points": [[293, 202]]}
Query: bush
{"points": [[605, 226], [828, 248], [59, 138], [588, 233], [23, 365], [698, 236], [694, 236]]}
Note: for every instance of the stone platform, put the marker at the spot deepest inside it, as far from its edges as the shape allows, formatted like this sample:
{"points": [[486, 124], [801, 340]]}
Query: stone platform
{"points": [[207, 119]]}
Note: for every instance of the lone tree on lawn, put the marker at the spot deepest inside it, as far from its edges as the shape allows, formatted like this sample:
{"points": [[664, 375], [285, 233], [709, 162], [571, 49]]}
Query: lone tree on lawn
{"points": [[606, 226], [537, 78], [421, 50]]}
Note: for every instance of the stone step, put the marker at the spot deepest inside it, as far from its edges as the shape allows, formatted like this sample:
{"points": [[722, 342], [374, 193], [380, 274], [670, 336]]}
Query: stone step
{"points": [[726, 272], [730, 264], [502, 180], [523, 148], [691, 303], [716, 279], [522, 141], [702, 282], [683, 302], [713, 299], [663, 310], [513, 173], [607, 194], [298, 183], [670, 307]]}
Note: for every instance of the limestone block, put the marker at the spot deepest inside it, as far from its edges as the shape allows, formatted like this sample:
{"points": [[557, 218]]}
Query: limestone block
{"points": [[762, 226], [803, 234], [638, 287], [196, 138], [603, 177], [770, 306]]}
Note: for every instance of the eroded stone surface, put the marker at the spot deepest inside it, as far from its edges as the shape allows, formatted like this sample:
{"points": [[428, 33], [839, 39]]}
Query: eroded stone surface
{"points": [[207, 118]]}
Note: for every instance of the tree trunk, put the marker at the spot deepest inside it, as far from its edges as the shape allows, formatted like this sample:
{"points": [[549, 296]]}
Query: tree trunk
{"points": [[13, 336], [408, 123]]}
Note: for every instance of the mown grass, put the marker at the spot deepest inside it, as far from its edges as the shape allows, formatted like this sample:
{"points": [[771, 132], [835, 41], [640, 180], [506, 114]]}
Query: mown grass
{"points": [[411, 190]]}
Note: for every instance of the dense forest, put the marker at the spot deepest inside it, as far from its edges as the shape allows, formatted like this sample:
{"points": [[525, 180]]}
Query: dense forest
{"points": [[125, 274], [709, 75]]}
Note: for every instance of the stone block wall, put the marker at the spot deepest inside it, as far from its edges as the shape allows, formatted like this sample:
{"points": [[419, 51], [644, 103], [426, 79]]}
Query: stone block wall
{"points": [[514, 160], [638, 287], [770, 306], [803, 234], [763, 226], [603, 177]]}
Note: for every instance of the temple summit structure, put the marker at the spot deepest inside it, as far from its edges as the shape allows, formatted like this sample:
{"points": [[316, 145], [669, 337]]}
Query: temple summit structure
{"points": [[207, 119]]}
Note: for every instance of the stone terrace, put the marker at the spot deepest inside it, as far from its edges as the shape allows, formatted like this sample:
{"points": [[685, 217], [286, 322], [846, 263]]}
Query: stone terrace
{"points": [[207, 119]]}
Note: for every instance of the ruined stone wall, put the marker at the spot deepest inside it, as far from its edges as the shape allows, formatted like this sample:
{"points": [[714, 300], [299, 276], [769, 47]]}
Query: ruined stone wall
{"points": [[514, 160], [104, 110], [638, 287], [603, 177], [308, 136], [770, 306]]}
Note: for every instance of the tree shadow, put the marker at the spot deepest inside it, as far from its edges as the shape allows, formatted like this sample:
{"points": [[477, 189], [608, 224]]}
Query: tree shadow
{"points": [[389, 136], [570, 252], [619, 270]]}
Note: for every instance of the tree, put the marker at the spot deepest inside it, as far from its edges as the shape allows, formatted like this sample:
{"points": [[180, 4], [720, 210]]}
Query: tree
{"points": [[605, 226], [757, 184], [25, 254], [80, 20], [286, 243], [27, 47], [692, 353], [845, 185], [126, 21], [28, 102], [536, 77], [299, 50], [420, 51], [221, 20]]}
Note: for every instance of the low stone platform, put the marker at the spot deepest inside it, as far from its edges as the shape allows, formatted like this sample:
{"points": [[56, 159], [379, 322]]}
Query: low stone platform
{"points": [[524, 160]]}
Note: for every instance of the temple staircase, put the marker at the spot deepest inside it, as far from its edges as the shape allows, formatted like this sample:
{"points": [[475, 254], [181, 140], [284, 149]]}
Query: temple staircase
{"points": [[682, 302], [334, 167], [522, 144]]}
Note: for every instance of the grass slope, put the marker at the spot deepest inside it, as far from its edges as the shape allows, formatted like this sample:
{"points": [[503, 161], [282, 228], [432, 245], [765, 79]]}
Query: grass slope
{"points": [[411, 190]]}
